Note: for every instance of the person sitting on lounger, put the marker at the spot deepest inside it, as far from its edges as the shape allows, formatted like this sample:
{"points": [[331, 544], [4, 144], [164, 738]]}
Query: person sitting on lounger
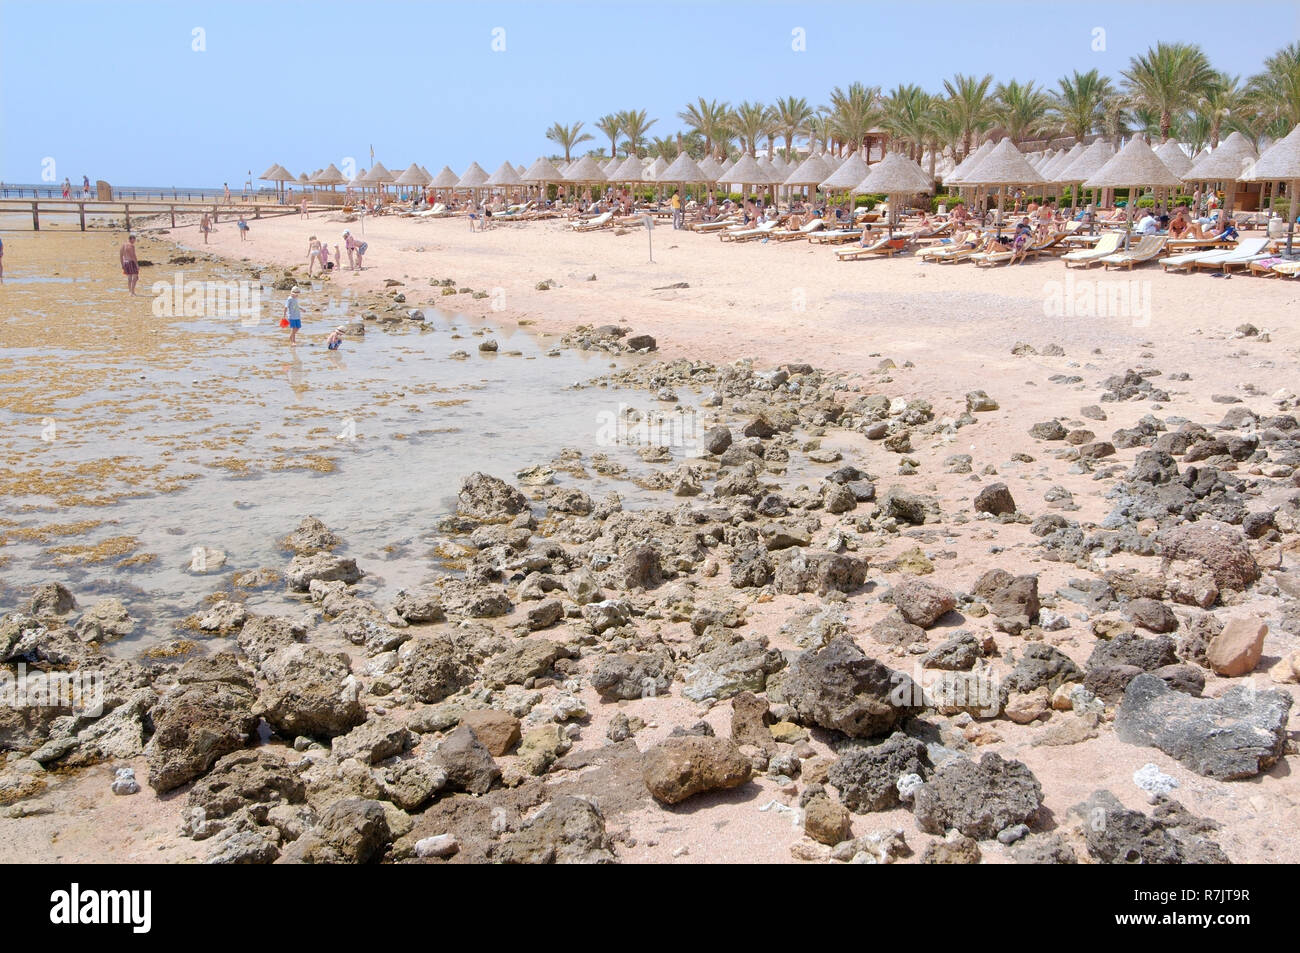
{"points": [[867, 238], [1020, 242], [1148, 225], [1179, 225]]}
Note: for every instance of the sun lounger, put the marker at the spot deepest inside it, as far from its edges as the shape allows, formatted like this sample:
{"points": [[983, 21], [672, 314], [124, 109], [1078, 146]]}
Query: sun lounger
{"points": [[1108, 244], [1247, 250], [883, 246], [438, 211], [716, 225], [1253, 248], [1148, 249], [949, 253], [749, 234], [603, 220], [836, 236], [803, 231]]}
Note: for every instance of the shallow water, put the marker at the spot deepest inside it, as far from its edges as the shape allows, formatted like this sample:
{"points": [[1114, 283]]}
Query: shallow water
{"points": [[251, 435]]}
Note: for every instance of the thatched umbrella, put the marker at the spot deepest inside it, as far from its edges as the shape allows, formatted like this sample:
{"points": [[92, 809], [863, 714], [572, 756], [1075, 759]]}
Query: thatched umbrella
{"points": [[473, 179], [810, 172], [542, 173], [846, 177], [683, 171], [505, 177], [412, 176], [898, 177], [1281, 163], [1134, 167], [957, 175], [1086, 165], [1003, 166], [1173, 156], [331, 176], [711, 168], [1227, 163], [585, 171]]}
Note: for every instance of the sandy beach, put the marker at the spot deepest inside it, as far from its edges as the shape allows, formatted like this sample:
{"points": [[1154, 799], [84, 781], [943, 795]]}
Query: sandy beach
{"points": [[899, 328]]}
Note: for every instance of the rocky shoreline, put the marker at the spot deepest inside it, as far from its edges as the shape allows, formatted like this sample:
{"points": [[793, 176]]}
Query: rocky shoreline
{"points": [[506, 711]]}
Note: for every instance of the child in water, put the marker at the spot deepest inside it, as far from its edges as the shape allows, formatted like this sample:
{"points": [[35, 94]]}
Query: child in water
{"points": [[335, 338]]}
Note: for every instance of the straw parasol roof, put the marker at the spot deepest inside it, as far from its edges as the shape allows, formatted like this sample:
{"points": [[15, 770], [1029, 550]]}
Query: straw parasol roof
{"points": [[474, 177], [629, 170], [1134, 165], [413, 175], [585, 170], [269, 174], [1226, 163], [781, 165], [1172, 155], [331, 176], [682, 170], [1061, 161], [1280, 161], [506, 175], [1004, 165], [710, 167], [957, 175], [724, 168], [608, 165], [659, 165], [378, 175], [543, 170], [895, 174], [446, 179], [746, 171], [1087, 164], [773, 175], [810, 171], [520, 170], [852, 171]]}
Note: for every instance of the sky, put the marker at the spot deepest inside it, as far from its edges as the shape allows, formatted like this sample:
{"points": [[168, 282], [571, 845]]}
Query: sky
{"points": [[200, 93]]}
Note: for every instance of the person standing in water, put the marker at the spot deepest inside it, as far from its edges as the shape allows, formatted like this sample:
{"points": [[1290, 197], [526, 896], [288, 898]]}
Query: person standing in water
{"points": [[293, 313], [130, 266]]}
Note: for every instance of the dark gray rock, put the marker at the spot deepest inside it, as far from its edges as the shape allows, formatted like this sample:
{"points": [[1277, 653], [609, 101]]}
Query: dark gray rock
{"points": [[978, 799], [1235, 736], [840, 688], [867, 775]]}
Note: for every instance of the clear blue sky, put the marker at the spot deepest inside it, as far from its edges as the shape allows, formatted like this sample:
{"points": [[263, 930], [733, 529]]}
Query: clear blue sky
{"points": [[114, 90]]}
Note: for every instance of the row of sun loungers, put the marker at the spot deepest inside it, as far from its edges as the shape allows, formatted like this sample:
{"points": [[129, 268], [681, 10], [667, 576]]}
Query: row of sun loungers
{"points": [[1246, 251]]}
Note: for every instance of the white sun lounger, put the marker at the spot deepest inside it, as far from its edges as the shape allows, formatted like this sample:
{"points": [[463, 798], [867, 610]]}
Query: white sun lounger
{"points": [[1108, 244], [591, 224], [1146, 250], [1250, 246]]}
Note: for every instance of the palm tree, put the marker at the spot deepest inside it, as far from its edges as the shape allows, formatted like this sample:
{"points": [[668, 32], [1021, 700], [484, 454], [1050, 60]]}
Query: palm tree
{"points": [[971, 105], [905, 114], [1020, 110], [1115, 118], [819, 131], [634, 124], [750, 121], [1078, 105], [610, 125], [1275, 93], [1218, 103], [1168, 80], [664, 148], [709, 119], [943, 130], [854, 113], [790, 116], [567, 137]]}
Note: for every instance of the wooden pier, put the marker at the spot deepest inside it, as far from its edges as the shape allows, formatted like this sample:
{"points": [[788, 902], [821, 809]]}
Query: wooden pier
{"points": [[145, 208]]}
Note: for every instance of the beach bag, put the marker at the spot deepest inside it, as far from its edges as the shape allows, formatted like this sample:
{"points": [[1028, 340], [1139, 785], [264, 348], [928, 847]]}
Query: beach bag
{"points": [[284, 322]]}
